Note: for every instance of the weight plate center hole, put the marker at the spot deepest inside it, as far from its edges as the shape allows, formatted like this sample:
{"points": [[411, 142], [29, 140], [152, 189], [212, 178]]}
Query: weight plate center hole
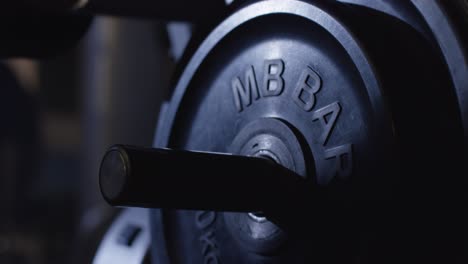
{"points": [[265, 154]]}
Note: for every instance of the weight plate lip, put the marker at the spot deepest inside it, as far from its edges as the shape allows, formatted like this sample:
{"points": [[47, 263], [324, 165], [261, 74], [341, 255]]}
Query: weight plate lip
{"points": [[401, 10], [305, 10], [454, 54], [436, 25]]}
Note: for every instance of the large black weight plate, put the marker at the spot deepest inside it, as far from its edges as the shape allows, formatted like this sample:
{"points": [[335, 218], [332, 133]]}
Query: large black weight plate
{"points": [[443, 23], [368, 100]]}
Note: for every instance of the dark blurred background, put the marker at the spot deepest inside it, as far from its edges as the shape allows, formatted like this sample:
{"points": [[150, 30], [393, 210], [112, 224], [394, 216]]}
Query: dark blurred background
{"points": [[58, 116]]}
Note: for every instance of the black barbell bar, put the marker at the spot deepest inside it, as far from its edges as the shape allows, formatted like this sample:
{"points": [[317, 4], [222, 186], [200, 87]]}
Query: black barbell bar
{"points": [[178, 179]]}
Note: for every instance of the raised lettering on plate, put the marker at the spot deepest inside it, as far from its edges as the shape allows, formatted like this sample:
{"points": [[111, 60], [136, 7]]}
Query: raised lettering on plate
{"points": [[245, 93], [327, 116], [273, 82], [304, 94], [343, 156]]}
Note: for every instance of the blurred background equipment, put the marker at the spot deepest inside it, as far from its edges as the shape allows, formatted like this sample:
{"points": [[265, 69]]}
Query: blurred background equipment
{"points": [[19, 166], [59, 114]]}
